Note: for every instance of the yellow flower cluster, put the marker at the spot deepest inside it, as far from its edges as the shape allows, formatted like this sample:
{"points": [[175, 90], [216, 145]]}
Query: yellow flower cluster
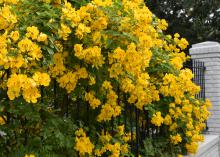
{"points": [[91, 55], [167, 120], [2, 120], [14, 35], [22, 84], [182, 43], [6, 60], [113, 148], [183, 110], [175, 139], [116, 149], [69, 13], [176, 86], [192, 147], [64, 31], [29, 47], [93, 101], [41, 78], [162, 24], [176, 46], [81, 30], [7, 19], [177, 60], [31, 155], [128, 61], [58, 67], [157, 119], [111, 108], [70, 79], [32, 32], [83, 143], [109, 49]]}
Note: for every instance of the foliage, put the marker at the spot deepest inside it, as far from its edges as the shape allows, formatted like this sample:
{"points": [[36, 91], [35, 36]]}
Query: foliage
{"points": [[159, 147], [70, 69], [197, 20]]}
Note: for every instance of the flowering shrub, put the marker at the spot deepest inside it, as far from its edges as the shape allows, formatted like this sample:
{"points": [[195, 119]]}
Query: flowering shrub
{"points": [[69, 69]]}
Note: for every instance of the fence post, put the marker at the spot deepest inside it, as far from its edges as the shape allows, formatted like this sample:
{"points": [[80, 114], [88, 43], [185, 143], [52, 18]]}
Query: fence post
{"points": [[209, 53]]}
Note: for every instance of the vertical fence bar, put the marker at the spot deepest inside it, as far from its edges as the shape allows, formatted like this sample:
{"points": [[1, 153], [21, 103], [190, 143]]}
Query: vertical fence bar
{"points": [[55, 104], [87, 113], [200, 75], [137, 130], [118, 102], [147, 124], [8, 115], [199, 81], [77, 109], [195, 74], [198, 69], [203, 78], [42, 94], [131, 128], [125, 110], [112, 126], [67, 105]]}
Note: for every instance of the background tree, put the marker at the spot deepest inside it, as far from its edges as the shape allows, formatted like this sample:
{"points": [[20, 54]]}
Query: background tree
{"points": [[196, 20]]}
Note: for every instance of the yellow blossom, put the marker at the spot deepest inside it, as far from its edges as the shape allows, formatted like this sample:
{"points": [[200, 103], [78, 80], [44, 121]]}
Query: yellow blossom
{"points": [[175, 139], [32, 32], [42, 37], [167, 120], [2, 120], [93, 101], [192, 147], [157, 119], [41, 78], [64, 31], [30, 155], [83, 145], [81, 30], [14, 35]]}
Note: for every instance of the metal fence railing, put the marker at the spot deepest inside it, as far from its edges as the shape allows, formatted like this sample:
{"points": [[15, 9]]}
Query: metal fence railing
{"points": [[198, 69], [137, 122]]}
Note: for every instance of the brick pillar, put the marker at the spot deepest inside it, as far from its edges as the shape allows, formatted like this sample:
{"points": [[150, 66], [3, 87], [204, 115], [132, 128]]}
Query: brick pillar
{"points": [[209, 53]]}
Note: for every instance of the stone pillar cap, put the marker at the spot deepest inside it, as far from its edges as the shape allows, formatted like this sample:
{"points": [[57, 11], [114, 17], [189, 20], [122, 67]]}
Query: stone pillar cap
{"points": [[205, 47]]}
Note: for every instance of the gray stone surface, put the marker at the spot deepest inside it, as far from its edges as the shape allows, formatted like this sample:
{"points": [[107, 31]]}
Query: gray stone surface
{"points": [[209, 53], [209, 148], [205, 48]]}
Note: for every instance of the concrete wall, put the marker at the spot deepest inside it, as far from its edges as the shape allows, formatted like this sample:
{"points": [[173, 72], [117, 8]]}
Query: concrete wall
{"points": [[209, 53], [209, 148]]}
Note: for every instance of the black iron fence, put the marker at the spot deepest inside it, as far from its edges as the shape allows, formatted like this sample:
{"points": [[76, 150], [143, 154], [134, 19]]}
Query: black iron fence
{"points": [[140, 129], [137, 122], [198, 69]]}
